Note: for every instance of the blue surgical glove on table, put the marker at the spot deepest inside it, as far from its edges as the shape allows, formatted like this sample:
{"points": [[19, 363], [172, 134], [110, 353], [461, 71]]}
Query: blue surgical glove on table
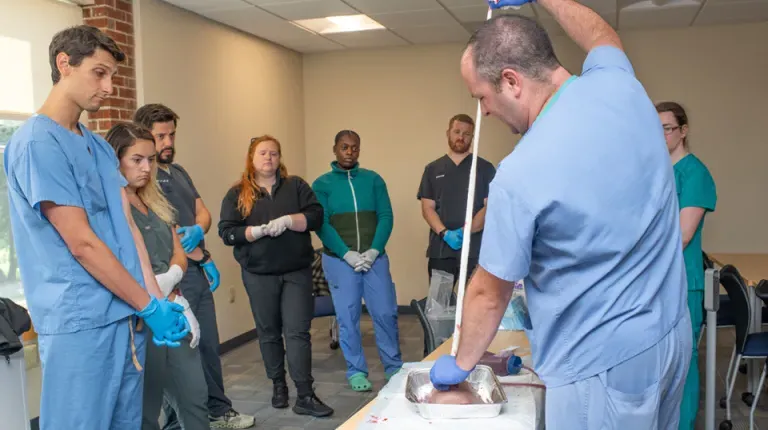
{"points": [[190, 237], [498, 4], [454, 238], [446, 373], [212, 273], [166, 320]]}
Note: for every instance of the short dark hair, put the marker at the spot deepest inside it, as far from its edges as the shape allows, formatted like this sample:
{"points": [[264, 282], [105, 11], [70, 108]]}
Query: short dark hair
{"points": [[512, 42], [152, 113], [462, 117], [678, 111], [80, 42], [343, 133]]}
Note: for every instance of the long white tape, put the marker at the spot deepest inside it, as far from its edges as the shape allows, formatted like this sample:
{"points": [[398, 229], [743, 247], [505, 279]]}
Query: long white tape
{"points": [[467, 224]]}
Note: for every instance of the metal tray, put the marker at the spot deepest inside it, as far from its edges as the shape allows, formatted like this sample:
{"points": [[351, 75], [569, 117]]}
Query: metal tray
{"points": [[418, 386]]}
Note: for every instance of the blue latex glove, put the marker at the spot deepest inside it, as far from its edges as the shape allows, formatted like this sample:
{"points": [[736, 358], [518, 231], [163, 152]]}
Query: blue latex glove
{"points": [[191, 237], [213, 275], [446, 373], [454, 238], [499, 4], [166, 320]]}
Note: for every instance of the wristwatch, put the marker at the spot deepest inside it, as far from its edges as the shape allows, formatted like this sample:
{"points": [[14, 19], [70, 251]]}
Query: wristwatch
{"points": [[206, 257], [442, 233]]}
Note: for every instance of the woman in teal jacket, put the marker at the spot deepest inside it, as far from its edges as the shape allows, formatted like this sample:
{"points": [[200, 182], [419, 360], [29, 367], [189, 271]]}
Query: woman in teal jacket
{"points": [[356, 227], [696, 195]]}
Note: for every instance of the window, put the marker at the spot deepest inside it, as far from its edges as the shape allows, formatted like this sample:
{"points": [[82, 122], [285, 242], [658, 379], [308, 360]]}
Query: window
{"points": [[10, 280]]}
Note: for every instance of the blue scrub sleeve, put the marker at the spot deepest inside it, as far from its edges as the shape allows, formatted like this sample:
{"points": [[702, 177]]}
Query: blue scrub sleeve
{"points": [[508, 235], [607, 57], [698, 190], [43, 173]]}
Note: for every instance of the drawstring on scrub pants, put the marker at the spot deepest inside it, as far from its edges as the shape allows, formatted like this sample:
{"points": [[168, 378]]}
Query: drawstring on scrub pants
{"points": [[134, 357]]}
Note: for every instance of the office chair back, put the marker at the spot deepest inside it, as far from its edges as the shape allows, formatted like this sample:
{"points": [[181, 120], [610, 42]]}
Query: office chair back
{"points": [[741, 310], [419, 307]]}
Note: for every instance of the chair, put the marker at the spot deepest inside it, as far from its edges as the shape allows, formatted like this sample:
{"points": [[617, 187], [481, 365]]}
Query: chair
{"points": [[747, 346], [323, 302], [419, 307], [724, 314]]}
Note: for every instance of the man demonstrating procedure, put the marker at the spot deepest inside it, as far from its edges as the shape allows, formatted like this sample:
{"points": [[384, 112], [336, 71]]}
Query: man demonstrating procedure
{"points": [[82, 259], [443, 195], [202, 277], [585, 210]]}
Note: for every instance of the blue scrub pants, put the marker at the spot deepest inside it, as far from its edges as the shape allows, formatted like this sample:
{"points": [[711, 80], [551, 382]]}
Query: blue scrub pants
{"points": [[90, 378], [642, 393], [348, 289]]}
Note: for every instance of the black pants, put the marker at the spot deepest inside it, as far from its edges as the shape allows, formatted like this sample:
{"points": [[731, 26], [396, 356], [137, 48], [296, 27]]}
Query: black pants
{"points": [[283, 305], [452, 266]]}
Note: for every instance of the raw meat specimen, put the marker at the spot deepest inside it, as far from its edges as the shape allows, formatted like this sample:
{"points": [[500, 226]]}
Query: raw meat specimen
{"points": [[461, 394]]}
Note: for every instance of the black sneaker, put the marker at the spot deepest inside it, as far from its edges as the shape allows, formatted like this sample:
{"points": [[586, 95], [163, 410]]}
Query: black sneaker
{"points": [[311, 405], [280, 395]]}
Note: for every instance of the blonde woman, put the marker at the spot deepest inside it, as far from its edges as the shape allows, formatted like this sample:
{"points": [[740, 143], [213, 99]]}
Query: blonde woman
{"points": [[177, 371]]}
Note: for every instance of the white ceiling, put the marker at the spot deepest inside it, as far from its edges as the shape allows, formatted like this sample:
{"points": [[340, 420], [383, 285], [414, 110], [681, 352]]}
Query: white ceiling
{"points": [[410, 22]]}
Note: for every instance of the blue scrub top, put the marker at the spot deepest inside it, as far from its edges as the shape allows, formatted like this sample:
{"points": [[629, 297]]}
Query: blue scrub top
{"points": [[46, 162], [585, 210]]}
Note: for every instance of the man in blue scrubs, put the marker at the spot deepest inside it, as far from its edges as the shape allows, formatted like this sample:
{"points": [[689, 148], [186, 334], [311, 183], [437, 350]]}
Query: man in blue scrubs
{"points": [[585, 211], [82, 260]]}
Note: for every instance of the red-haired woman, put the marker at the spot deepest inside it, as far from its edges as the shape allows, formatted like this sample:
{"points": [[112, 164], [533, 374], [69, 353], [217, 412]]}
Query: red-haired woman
{"points": [[267, 217]]}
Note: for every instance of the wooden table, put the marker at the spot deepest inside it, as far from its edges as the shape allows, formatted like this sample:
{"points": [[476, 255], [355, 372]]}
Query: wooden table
{"points": [[753, 267], [502, 340]]}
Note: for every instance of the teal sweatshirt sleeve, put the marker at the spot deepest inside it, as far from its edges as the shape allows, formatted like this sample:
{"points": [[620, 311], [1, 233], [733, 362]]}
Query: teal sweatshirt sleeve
{"points": [[327, 234], [383, 214]]}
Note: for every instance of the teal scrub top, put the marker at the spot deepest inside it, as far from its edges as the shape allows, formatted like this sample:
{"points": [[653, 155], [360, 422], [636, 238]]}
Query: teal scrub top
{"points": [[695, 188]]}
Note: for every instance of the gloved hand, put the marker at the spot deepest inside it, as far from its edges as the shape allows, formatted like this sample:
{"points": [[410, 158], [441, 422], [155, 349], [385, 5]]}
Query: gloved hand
{"points": [[191, 237], [446, 373], [166, 321], [167, 281], [369, 257], [454, 238], [355, 259], [194, 326], [277, 226], [258, 231], [499, 4], [212, 273]]}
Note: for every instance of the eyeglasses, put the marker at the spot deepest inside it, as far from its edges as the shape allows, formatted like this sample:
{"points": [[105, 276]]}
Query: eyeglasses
{"points": [[668, 129]]}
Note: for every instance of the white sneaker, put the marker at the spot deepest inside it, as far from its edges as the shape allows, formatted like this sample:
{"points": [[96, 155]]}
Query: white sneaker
{"points": [[231, 420]]}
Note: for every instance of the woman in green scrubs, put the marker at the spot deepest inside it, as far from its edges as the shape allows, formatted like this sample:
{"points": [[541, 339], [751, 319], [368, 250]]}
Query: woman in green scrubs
{"points": [[696, 195]]}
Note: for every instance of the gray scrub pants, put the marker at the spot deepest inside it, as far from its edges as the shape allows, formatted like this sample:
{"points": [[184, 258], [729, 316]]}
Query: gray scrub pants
{"points": [[194, 287], [177, 372]]}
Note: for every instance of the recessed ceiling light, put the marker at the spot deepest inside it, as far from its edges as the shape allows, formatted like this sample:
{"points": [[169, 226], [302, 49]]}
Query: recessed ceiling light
{"points": [[339, 24]]}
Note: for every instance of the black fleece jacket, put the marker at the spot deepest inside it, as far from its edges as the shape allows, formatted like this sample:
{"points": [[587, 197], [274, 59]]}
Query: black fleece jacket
{"points": [[286, 253]]}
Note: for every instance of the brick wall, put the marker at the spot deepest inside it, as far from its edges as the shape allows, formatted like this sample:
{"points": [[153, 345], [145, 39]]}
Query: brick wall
{"points": [[115, 17]]}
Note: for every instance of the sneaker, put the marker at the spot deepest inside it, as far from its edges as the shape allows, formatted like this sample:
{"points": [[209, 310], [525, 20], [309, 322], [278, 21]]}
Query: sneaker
{"points": [[231, 420], [311, 405], [280, 395]]}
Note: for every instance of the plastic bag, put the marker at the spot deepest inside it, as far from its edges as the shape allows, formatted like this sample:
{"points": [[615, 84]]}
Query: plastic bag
{"points": [[516, 316], [441, 314]]}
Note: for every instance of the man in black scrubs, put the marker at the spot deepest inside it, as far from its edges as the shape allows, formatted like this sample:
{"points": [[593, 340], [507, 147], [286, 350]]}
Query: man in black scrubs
{"points": [[443, 195], [202, 276]]}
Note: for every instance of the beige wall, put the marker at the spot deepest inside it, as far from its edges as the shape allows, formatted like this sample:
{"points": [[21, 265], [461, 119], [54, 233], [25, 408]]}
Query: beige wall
{"points": [[400, 100], [227, 87]]}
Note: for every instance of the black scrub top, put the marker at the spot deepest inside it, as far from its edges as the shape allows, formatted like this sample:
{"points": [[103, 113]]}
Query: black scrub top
{"points": [[447, 184]]}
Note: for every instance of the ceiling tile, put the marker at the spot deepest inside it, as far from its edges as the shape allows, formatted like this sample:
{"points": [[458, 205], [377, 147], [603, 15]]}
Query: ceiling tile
{"points": [[600, 6], [463, 3], [644, 15], [203, 6], [308, 9], [417, 18], [728, 12], [259, 23], [435, 34], [389, 6], [367, 39], [316, 44]]}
